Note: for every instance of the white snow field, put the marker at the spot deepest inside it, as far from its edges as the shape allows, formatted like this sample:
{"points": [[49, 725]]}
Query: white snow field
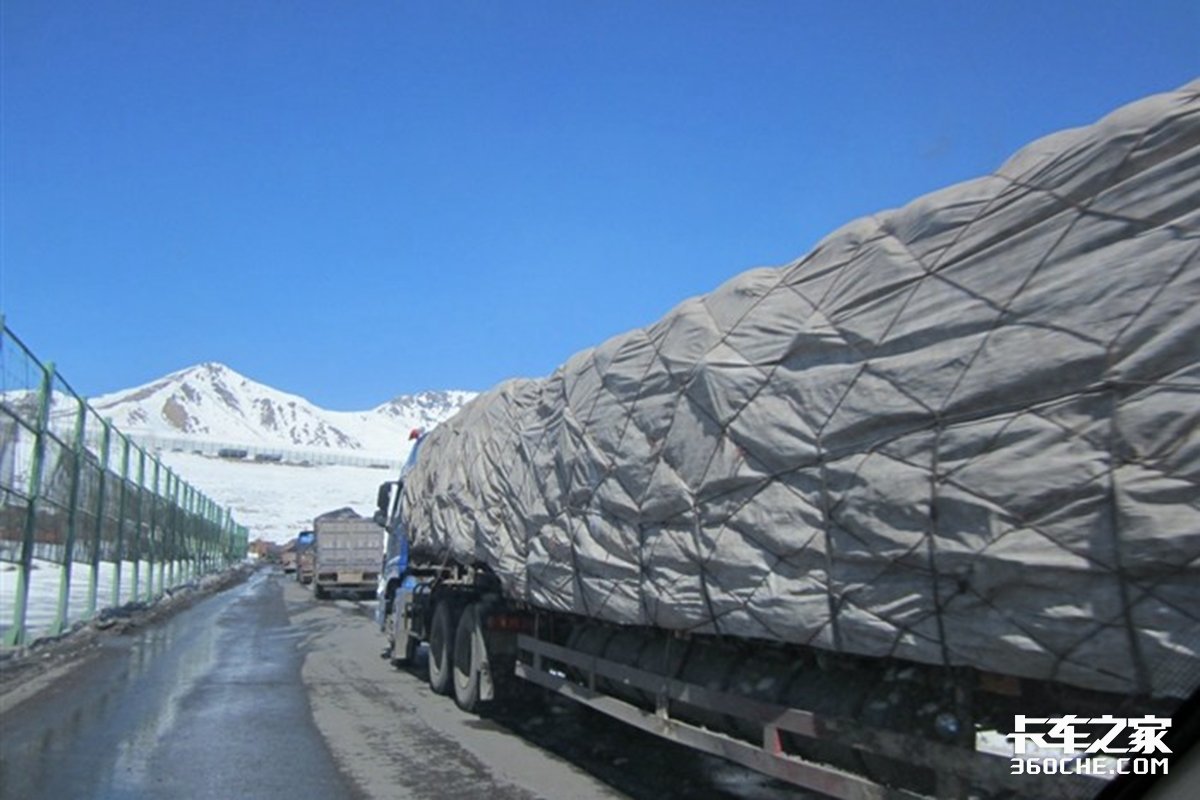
{"points": [[277, 501], [44, 583]]}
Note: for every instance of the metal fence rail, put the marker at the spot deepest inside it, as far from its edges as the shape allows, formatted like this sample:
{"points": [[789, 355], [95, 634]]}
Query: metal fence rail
{"points": [[309, 456], [76, 491]]}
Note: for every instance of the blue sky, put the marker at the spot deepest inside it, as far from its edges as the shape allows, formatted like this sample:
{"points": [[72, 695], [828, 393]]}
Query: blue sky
{"points": [[352, 201]]}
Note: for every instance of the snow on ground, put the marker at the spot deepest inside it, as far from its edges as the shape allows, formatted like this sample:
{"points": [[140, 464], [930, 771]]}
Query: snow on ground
{"points": [[277, 501], [44, 584]]}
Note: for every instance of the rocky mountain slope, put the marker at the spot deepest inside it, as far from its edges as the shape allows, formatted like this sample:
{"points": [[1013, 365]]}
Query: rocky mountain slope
{"points": [[213, 402]]}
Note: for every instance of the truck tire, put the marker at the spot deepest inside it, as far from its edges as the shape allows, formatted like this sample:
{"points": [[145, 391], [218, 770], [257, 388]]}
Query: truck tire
{"points": [[470, 653], [319, 592], [441, 648]]}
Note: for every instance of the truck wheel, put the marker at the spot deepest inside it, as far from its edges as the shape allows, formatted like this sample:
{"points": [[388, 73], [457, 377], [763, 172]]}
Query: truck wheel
{"points": [[319, 592], [470, 653], [441, 648]]}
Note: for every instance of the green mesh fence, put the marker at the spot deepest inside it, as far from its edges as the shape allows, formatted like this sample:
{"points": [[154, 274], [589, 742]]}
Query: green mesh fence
{"points": [[80, 499]]}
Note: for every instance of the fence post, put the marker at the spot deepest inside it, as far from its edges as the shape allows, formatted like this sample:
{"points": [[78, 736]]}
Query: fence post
{"points": [[211, 531], [171, 533], [16, 634], [168, 525], [193, 529], [120, 559], [201, 531], [137, 525], [185, 528], [64, 582], [164, 551], [176, 530], [185, 531], [152, 532], [97, 533]]}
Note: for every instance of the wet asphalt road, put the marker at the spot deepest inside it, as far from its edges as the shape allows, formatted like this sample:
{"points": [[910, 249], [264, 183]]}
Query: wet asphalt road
{"points": [[262, 692], [207, 705]]}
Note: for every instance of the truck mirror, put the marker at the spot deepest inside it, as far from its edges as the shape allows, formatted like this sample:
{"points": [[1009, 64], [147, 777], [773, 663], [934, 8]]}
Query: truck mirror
{"points": [[383, 500]]}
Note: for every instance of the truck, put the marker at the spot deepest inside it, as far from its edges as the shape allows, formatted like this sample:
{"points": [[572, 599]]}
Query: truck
{"points": [[304, 550], [288, 559], [913, 516], [346, 555]]}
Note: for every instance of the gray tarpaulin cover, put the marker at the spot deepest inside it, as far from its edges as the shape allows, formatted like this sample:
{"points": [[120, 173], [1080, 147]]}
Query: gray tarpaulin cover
{"points": [[962, 432]]}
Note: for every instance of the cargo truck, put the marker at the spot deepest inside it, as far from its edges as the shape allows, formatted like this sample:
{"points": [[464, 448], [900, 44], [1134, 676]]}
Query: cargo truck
{"points": [[305, 542], [871, 523], [346, 556]]}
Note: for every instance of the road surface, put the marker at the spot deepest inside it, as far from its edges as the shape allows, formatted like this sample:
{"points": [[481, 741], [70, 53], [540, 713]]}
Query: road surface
{"points": [[261, 691]]}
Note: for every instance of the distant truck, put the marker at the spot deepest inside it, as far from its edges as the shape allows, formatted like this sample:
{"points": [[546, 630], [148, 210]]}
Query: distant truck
{"points": [[346, 556], [304, 556]]}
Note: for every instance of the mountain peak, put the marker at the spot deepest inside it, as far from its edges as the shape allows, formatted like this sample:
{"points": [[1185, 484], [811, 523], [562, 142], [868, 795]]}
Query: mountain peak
{"points": [[214, 402], [212, 367], [210, 370]]}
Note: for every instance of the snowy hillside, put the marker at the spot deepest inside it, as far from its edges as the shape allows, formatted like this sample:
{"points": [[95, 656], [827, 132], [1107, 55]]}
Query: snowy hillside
{"points": [[277, 501], [212, 402]]}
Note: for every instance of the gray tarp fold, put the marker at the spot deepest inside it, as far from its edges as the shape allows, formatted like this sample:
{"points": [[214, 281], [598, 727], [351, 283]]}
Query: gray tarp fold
{"points": [[962, 432]]}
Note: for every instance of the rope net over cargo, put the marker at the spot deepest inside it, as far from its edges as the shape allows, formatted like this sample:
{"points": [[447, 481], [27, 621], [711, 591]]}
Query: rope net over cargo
{"points": [[963, 432]]}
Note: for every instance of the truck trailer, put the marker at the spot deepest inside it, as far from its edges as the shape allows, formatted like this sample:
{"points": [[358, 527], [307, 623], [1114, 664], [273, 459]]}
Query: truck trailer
{"points": [[346, 555], [866, 521]]}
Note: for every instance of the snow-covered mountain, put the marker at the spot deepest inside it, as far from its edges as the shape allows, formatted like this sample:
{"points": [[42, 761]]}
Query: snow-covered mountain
{"points": [[212, 402]]}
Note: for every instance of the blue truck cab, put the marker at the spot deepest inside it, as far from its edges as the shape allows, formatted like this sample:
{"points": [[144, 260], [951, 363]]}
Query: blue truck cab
{"points": [[393, 578]]}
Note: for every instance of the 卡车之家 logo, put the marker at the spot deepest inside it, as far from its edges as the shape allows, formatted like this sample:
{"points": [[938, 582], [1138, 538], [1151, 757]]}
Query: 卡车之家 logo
{"points": [[1105, 745]]}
